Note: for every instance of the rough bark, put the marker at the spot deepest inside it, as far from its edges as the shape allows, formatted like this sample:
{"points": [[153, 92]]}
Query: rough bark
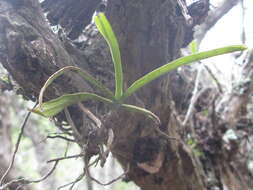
{"points": [[73, 17], [150, 34]]}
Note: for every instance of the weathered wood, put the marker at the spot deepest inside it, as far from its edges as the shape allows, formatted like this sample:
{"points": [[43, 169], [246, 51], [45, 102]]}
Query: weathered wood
{"points": [[72, 16], [150, 34]]}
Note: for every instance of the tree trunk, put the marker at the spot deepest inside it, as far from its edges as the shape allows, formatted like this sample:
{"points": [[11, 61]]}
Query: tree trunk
{"points": [[150, 34]]}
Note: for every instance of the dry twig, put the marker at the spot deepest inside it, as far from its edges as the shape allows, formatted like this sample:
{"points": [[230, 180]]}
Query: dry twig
{"points": [[90, 115], [194, 97], [25, 181], [65, 157], [185, 12], [80, 177], [218, 84], [110, 182], [72, 124], [16, 147], [60, 137], [213, 17]]}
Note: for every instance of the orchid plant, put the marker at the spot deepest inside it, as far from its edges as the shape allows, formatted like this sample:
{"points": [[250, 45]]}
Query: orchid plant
{"points": [[53, 107]]}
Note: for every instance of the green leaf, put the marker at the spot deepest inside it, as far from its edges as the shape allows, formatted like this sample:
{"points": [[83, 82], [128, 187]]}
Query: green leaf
{"points": [[144, 111], [193, 47], [105, 29], [177, 63], [53, 107], [83, 74]]}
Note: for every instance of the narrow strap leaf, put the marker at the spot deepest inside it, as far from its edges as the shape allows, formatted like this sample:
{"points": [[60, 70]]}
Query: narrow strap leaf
{"points": [[83, 74], [53, 107], [144, 111], [177, 63], [105, 29]]}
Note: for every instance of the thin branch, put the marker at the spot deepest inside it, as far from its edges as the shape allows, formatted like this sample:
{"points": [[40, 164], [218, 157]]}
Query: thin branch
{"points": [[47, 175], [214, 78], [90, 115], [157, 129], [65, 157], [86, 171], [243, 35], [110, 182], [110, 139], [80, 177], [72, 124], [25, 181], [67, 148], [56, 136], [194, 97], [60, 137], [16, 147], [213, 18], [82, 174], [94, 162], [185, 12], [104, 154]]}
